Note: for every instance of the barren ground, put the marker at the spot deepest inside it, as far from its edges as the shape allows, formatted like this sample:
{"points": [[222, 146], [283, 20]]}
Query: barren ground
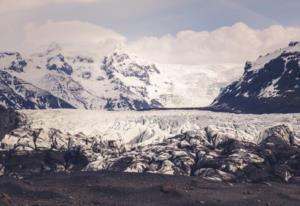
{"points": [[125, 189]]}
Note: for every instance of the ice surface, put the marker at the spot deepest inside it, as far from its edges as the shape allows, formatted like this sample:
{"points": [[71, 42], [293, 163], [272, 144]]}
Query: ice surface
{"points": [[154, 126], [196, 85], [215, 146]]}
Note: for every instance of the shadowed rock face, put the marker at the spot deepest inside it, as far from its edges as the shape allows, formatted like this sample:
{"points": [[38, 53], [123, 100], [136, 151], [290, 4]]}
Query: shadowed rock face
{"points": [[9, 120], [270, 85]]}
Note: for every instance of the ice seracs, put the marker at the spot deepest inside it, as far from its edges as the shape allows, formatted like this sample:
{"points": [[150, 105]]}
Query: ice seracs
{"points": [[218, 151]]}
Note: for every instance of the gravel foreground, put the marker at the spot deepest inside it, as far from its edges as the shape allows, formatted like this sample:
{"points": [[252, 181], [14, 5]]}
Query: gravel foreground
{"points": [[130, 189]]}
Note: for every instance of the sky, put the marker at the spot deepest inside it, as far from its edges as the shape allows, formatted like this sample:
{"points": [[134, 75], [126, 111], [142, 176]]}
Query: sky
{"points": [[162, 31]]}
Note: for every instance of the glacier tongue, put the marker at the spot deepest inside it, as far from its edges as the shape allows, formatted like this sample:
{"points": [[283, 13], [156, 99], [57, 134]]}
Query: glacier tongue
{"points": [[214, 146], [151, 126]]}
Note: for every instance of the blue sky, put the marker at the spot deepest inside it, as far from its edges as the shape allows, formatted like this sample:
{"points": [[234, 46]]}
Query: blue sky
{"points": [[20, 21]]}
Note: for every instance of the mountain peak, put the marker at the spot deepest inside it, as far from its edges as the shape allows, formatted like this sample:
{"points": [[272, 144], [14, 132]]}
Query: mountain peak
{"points": [[271, 84], [122, 64], [12, 61], [292, 47], [119, 82]]}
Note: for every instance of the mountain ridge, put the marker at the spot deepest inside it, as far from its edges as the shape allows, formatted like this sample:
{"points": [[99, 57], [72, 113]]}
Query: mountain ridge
{"points": [[75, 81], [117, 81]]}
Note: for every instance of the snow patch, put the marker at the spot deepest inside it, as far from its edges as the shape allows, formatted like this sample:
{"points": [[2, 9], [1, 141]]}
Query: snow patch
{"points": [[270, 90]]}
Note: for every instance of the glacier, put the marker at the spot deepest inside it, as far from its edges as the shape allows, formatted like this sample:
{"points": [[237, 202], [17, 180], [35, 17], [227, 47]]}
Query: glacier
{"points": [[126, 126], [214, 146]]}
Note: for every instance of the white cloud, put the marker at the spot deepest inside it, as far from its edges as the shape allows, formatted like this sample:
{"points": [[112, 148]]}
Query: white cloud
{"points": [[16, 5], [234, 44], [72, 35]]}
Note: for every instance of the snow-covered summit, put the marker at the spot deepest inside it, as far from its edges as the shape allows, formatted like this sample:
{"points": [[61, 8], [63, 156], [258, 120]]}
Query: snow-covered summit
{"points": [[262, 60]]}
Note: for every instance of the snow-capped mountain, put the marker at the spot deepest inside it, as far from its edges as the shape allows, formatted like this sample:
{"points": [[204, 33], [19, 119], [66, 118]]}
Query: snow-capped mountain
{"points": [[58, 78], [53, 79], [270, 84]]}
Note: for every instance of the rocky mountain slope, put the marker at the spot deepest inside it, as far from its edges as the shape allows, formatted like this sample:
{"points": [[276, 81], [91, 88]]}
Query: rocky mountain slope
{"points": [[271, 84]]}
